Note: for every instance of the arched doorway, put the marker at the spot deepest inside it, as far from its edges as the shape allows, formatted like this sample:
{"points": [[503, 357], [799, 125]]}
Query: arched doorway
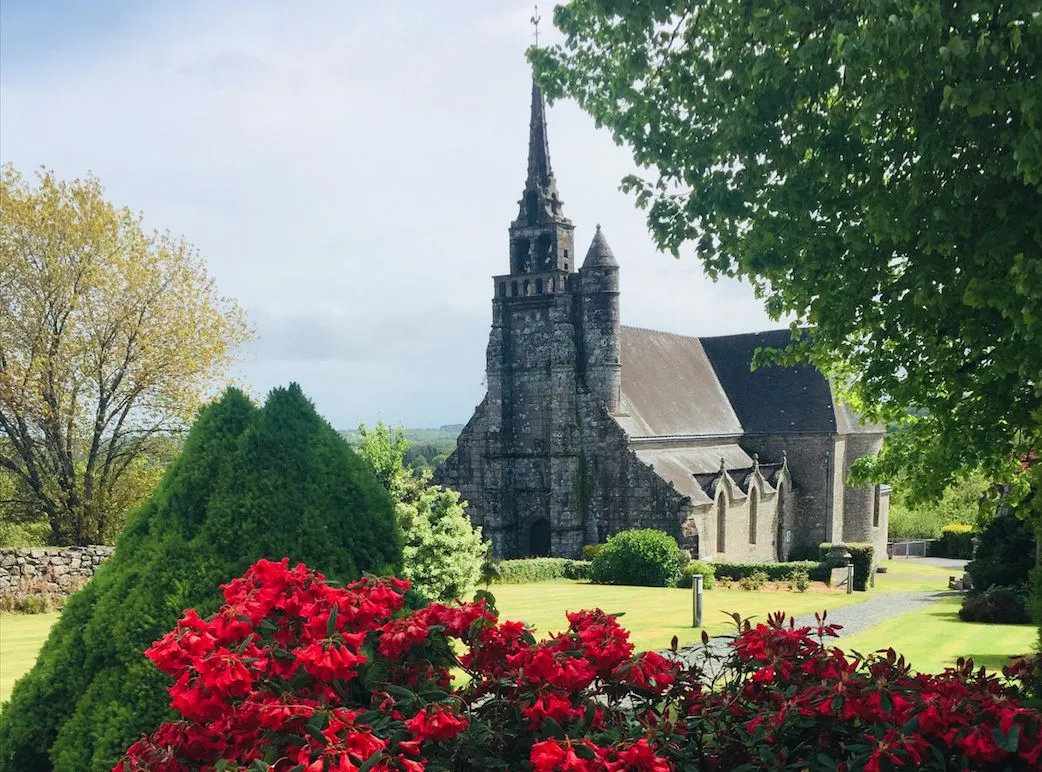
{"points": [[539, 538]]}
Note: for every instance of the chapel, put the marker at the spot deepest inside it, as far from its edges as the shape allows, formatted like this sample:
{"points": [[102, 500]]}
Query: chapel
{"points": [[590, 427]]}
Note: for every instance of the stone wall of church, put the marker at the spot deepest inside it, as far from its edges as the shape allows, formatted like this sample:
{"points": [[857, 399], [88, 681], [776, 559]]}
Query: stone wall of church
{"points": [[741, 545], [859, 503], [812, 482]]}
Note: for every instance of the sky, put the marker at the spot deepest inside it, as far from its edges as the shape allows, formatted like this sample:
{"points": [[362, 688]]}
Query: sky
{"points": [[348, 171]]}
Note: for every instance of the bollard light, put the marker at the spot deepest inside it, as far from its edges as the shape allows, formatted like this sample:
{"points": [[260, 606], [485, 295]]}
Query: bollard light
{"points": [[696, 600]]}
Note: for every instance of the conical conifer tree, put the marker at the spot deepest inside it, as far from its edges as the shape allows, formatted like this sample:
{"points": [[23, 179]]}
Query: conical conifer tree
{"points": [[275, 482]]}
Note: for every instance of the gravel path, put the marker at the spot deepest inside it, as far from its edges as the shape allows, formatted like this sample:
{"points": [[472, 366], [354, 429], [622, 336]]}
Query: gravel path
{"points": [[854, 618]]}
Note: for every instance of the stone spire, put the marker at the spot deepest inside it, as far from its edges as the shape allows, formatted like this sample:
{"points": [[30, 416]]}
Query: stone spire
{"points": [[541, 202], [540, 175], [599, 253]]}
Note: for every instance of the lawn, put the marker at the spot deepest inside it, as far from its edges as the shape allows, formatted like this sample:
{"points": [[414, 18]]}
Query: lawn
{"points": [[21, 637], [932, 638], [653, 615], [908, 575]]}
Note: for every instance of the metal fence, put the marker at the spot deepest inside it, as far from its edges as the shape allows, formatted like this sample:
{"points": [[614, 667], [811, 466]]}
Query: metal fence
{"points": [[911, 548]]}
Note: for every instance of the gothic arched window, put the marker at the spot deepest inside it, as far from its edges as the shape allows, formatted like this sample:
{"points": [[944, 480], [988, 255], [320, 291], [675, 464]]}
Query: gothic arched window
{"points": [[754, 505], [721, 522]]}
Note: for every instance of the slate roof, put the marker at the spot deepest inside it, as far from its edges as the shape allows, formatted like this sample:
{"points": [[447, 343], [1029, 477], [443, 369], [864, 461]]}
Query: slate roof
{"points": [[669, 388], [771, 400], [680, 465], [678, 385]]}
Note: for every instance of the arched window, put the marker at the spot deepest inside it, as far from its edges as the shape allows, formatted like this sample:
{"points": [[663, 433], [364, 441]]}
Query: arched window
{"points": [[754, 505], [502, 289], [526, 288], [539, 541], [721, 522], [513, 288], [539, 286], [781, 524], [522, 256]]}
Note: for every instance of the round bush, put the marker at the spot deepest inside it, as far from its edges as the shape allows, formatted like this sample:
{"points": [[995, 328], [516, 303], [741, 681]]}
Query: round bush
{"points": [[997, 605], [708, 571], [642, 557]]}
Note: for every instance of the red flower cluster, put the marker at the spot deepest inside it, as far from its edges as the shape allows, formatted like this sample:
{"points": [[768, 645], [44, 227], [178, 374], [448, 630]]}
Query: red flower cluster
{"points": [[295, 674]]}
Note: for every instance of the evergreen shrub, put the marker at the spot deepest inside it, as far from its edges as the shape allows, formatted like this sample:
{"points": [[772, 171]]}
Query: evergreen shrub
{"points": [[863, 555], [997, 605], [754, 581], [708, 571], [956, 541], [590, 551], [529, 570], [641, 557], [1005, 554], [251, 483], [776, 572]]}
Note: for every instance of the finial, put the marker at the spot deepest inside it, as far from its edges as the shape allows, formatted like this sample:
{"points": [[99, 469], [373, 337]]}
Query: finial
{"points": [[756, 462], [723, 464], [598, 227], [535, 24]]}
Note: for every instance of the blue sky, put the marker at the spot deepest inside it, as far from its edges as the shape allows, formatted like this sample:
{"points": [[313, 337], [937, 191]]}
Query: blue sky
{"points": [[347, 169]]}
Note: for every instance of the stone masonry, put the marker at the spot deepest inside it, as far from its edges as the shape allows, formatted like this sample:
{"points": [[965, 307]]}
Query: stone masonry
{"points": [[49, 569]]}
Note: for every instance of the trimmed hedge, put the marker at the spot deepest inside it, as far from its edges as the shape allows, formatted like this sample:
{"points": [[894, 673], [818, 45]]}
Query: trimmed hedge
{"points": [[863, 555], [708, 571], [1005, 554], [590, 551], [640, 557], [956, 541], [776, 572], [529, 570]]}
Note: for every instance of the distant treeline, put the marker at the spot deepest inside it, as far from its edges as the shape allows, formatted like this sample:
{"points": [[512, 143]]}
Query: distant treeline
{"points": [[428, 447]]}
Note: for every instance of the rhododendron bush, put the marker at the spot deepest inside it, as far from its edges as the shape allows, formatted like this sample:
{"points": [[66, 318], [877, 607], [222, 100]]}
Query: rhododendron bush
{"points": [[295, 674]]}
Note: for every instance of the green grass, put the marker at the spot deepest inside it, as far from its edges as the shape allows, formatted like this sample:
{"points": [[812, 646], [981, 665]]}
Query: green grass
{"points": [[932, 638], [908, 575], [21, 636], [653, 615]]}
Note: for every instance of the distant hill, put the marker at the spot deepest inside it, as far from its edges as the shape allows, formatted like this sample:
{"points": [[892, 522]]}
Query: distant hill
{"points": [[428, 447], [441, 435]]}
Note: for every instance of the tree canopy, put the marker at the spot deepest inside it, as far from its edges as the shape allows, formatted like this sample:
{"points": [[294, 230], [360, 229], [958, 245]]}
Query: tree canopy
{"points": [[872, 167], [109, 339]]}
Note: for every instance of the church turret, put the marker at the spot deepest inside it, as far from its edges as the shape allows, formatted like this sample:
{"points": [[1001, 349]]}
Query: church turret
{"points": [[602, 350], [541, 236]]}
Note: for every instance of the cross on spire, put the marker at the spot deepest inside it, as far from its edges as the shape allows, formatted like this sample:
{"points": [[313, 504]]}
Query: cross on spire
{"points": [[536, 18]]}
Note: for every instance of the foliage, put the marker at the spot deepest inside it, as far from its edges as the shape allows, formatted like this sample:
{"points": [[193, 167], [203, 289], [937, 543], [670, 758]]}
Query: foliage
{"points": [[707, 569], [775, 572], [754, 581], [799, 579], [1005, 554], [251, 483], [1034, 606], [874, 171], [36, 597], [294, 673], [643, 557], [914, 519], [863, 557], [529, 570], [109, 340], [443, 553], [1000, 605], [425, 449], [590, 551], [957, 541]]}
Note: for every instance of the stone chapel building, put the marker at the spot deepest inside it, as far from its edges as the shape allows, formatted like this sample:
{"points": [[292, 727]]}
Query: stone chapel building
{"points": [[589, 428]]}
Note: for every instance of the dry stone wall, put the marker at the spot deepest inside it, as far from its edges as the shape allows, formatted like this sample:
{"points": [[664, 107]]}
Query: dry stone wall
{"points": [[49, 569]]}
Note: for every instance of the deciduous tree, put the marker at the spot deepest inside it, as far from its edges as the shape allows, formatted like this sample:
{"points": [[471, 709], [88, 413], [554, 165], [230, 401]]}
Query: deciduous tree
{"points": [[872, 167], [110, 338]]}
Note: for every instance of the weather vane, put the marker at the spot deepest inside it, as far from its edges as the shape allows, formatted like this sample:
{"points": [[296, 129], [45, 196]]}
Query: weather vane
{"points": [[535, 24]]}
